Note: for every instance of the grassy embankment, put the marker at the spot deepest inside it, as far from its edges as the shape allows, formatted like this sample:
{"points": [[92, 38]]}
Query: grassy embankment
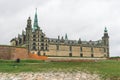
{"points": [[108, 68]]}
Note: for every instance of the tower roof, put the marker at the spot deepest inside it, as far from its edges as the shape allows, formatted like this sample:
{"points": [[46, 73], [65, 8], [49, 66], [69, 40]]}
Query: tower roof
{"points": [[105, 30], [35, 26]]}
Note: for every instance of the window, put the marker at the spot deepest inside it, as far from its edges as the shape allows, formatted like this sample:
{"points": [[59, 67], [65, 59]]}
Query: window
{"points": [[42, 48], [42, 44], [42, 40], [44, 54], [34, 48], [104, 42], [38, 48], [39, 53], [81, 49], [81, 55], [104, 49], [42, 36], [70, 54], [28, 36], [91, 49], [20, 40], [46, 48], [34, 44], [57, 47], [92, 55], [34, 39], [70, 48], [34, 36]]}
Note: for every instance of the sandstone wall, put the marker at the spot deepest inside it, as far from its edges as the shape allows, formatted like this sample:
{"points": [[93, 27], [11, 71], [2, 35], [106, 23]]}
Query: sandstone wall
{"points": [[64, 50], [98, 52], [75, 50]]}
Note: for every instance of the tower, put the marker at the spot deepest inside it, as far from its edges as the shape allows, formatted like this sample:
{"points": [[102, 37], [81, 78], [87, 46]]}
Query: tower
{"points": [[105, 40], [29, 35]]}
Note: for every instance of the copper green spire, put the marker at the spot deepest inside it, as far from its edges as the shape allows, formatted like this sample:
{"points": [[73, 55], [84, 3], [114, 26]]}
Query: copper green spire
{"points": [[105, 30], [66, 37], [35, 26]]}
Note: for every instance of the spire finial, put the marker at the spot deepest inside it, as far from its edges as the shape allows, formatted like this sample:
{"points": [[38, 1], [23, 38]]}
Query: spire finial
{"points": [[36, 10]]}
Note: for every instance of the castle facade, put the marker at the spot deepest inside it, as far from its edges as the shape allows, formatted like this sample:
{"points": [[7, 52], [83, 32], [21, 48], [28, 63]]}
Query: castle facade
{"points": [[36, 42]]}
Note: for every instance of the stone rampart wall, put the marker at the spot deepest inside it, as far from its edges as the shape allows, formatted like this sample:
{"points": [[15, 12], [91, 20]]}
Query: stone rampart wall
{"points": [[11, 52]]}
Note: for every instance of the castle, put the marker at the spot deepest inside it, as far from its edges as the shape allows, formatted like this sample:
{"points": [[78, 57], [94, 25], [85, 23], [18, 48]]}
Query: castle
{"points": [[36, 42]]}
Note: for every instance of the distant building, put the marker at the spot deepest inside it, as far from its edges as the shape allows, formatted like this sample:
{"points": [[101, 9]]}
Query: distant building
{"points": [[36, 42]]}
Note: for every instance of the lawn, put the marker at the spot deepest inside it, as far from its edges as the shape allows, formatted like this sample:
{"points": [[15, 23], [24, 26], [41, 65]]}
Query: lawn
{"points": [[107, 68]]}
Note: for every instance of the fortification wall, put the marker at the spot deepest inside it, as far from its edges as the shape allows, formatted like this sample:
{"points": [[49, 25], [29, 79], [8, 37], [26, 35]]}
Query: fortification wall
{"points": [[11, 52], [21, 53], [5, 52]]}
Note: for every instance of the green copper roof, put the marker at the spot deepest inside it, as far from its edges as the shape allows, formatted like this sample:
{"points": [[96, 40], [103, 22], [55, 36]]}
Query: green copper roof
{"points": [[66, 37], [35, 26], [105, 29]]}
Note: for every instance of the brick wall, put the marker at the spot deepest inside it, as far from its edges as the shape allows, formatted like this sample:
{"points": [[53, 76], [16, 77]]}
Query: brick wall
{"points": [[10, 52], [21, 53]]}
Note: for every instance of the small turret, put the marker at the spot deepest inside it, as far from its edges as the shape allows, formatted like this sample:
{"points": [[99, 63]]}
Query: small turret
{"points": [[79, 41], [62, 39], [23, 32], [58, 37], [66, 37], [29, 23]]}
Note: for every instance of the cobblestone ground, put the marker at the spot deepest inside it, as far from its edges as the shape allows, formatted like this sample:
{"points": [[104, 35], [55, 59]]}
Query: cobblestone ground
{"points": [[49, 76]]}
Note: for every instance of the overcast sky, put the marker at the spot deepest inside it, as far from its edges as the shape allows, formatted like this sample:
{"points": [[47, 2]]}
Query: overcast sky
{"points": [[85, 19]]}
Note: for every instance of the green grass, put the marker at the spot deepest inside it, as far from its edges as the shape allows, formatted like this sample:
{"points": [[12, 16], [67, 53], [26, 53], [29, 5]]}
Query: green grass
{"points": [[108, 68]]}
